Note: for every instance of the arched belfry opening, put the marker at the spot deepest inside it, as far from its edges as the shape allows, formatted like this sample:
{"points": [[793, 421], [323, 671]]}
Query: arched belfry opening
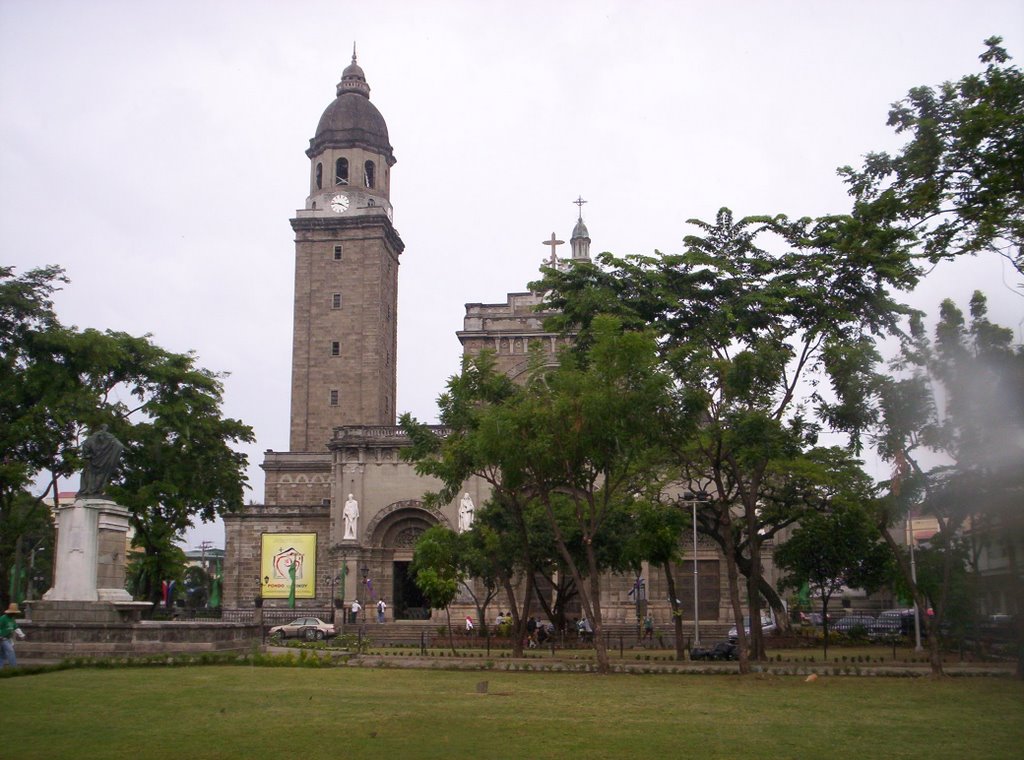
{"points": [[392, 535]]}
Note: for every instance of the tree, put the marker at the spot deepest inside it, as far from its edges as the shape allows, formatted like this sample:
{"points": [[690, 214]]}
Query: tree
{"points": [[436, 569], [577, 441], [835, 549], [959, 397], [56, 383], [746, 333], [956, 187], [658, 527], [457, 452]]}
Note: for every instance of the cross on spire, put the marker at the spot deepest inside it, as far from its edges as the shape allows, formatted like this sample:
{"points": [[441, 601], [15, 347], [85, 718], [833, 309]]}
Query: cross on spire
{"points": [[579, 202], [554, 241]]}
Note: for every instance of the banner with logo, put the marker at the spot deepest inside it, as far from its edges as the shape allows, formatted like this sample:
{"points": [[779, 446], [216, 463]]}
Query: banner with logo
{"points": [[281, 552]]}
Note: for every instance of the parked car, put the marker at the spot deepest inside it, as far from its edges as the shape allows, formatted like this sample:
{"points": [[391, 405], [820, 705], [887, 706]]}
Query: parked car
{"points": [[815, 619], [893, 623], [723, 650], [308, 628], [768, 626], [851, 624]]}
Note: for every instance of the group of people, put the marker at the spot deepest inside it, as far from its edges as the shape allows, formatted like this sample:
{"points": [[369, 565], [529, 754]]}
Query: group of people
{"points": [[356, 608]]}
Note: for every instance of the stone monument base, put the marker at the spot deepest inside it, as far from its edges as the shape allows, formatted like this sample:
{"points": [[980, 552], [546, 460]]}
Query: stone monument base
{"points": [[86, 612], [56, 630]]}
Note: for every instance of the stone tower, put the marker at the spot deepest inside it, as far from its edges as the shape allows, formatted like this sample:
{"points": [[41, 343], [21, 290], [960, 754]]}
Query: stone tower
{"points": [[346, 274]]}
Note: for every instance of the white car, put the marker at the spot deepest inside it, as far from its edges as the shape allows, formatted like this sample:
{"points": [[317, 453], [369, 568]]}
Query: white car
{"points": [[308, 628], [768, 626]]}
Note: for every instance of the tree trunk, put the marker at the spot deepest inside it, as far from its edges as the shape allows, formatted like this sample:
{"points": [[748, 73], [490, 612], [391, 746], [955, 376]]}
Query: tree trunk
{"points": [[734, 586], [451, 637], [677, 614], [600, 645], [518, 619]]}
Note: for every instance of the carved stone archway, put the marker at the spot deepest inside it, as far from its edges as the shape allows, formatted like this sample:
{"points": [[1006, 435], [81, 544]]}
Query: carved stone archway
{"points": [[396, 526], [391, 536]]}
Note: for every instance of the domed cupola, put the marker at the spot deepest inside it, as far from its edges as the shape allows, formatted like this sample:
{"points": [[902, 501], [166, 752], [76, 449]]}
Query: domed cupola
{"points": [[352, 121], [580, 241]]}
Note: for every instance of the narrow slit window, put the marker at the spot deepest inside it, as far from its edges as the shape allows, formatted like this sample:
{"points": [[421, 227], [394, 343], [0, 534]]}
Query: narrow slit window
{"points": [[341, 171], [336, 301], [334, 398], [319, 176], [368, 173], [335, 348], [337, 253]]}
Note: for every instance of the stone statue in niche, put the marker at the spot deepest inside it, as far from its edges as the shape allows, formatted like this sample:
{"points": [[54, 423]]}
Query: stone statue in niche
{"points": [[465, 513], [351, 517]]}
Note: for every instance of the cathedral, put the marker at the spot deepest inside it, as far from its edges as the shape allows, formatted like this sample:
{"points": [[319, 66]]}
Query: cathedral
{"points": [[341, 511]]}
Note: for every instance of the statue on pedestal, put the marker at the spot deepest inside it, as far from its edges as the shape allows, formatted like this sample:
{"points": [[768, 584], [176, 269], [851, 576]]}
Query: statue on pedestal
{"points": [[101, 452], [351, 517]]}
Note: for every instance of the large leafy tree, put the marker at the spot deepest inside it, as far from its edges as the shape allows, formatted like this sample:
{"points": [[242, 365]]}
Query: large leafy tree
{"points": [[57, 383], [577, 441], [956, 187], [953, 415], [458, 452], [767, 349]]}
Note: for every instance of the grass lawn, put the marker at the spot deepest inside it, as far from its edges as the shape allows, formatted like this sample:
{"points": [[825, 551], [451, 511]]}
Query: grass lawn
{"points": [[248, 712]]}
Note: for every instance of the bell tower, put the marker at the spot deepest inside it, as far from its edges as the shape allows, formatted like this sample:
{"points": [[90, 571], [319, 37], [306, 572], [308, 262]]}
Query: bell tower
{"points": [[346, 274]]}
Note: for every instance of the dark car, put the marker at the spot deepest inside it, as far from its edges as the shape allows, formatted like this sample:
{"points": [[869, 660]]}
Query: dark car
{"points": [[892, 623], [723, 650], [852, 624]]}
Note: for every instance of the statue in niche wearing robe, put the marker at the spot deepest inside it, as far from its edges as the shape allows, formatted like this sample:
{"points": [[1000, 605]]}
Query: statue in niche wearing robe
{"points": [[351, 517], [465, 513]]}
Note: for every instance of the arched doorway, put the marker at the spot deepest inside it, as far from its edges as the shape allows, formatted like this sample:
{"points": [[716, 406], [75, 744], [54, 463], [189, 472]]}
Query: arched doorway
{"points": [[394, 532]]}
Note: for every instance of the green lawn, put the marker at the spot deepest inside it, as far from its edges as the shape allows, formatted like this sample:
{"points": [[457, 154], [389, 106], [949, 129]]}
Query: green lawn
{"points": [[247, 712]]}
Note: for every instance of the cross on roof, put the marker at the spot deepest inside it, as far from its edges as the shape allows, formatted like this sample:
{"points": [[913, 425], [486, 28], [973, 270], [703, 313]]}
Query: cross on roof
{"points": [[579, 202], [554, 241]]}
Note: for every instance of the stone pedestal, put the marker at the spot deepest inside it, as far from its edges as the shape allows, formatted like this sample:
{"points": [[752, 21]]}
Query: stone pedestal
{"points": [[91, 544]]}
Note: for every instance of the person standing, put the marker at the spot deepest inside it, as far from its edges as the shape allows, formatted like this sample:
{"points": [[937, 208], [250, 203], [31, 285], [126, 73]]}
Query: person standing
{"points": [[381, 606], [356, 607], [649, 627], [8, 630]]}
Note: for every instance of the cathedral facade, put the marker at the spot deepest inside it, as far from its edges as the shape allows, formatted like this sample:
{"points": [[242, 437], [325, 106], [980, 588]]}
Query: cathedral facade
{"points": [[341, 511]]}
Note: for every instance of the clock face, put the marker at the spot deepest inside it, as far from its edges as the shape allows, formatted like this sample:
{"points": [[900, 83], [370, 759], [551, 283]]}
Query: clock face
{"points": [[339, 204]]}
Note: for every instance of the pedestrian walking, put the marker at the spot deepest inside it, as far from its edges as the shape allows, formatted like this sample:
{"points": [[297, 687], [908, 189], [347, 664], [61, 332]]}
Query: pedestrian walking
{"points": [[8, 631]]}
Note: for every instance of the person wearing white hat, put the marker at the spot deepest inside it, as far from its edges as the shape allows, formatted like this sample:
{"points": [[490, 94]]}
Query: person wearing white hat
{"points": [[8, 630]]}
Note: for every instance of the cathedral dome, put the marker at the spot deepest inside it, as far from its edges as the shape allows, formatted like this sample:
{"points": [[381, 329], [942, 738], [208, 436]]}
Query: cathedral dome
{"points": [[580, 230], [352, 121]]}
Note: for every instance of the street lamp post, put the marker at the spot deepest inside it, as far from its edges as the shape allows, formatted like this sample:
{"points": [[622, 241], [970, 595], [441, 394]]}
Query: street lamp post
{"points": [[693, 499], [341, 579], [913, 578], [366, 589]]}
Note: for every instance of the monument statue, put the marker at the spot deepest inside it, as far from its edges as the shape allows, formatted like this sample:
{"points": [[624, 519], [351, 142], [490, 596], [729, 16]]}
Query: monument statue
{"points": [[101, 452], [465, 513], [351, 515]]}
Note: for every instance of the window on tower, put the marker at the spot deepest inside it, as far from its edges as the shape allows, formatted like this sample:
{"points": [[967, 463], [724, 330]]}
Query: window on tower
{"points": [[368, 173], [341, 171], [337, 253], [334, 398], [319, 176], [335, 348], [336, 301]]}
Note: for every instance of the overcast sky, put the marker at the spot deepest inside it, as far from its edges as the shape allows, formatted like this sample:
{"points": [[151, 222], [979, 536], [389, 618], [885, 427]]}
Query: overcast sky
{"points": [[156, 150]]}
